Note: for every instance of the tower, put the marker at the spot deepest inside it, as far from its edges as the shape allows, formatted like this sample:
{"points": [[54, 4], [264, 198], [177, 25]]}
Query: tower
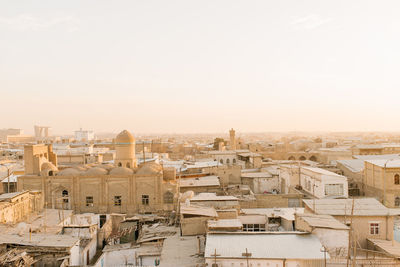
{"points": [[125, 150], [232, 139]]}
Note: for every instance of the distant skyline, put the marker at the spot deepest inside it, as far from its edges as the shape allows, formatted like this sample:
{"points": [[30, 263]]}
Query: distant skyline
{"points": [[200, 66]]}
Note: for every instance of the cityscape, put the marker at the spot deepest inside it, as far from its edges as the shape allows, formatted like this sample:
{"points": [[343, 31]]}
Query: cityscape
{"points": [[213, 133]]}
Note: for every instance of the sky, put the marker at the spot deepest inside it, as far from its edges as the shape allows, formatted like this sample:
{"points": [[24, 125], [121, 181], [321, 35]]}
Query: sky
{"points": [[200, 66]]}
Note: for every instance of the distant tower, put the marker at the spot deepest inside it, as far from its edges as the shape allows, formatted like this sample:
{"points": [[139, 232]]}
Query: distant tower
{"points": [[125, 150], [233, 139]]}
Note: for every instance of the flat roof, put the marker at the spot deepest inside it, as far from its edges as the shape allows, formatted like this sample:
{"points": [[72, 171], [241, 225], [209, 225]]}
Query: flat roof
{"points": [[39, 240], [354, 165], [212, 197], [256, 175], [390, 163], [390, 247], [321, 171], [263, 246], [198, 210], [322, 221], [362, 207], [200, 181]]}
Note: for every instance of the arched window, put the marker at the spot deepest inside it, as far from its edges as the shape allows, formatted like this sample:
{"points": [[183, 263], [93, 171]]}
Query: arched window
{"points": [[119, 164], [221, 161], [234, 161], [51, 173], [396, 179], [168, 197], [397, 201], [65, 196], [128, 165], [227, 161]]}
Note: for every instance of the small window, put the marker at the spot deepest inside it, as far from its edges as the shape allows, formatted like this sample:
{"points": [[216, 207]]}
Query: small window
{"points": [[128, 165], [234, 161], [168, 197], [65, 196], [396, 179], [227, 161], [397, 201], [117, 200], [145, 199], [120, 164], [374, 228], [221, 161], [89, 201]]}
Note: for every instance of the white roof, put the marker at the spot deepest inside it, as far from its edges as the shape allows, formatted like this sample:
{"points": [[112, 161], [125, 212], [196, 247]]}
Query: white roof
{"points": [[390, 163], [200, 181], [321, 171], [354, 165], [362, 207], [264, 246], [198, 210]]}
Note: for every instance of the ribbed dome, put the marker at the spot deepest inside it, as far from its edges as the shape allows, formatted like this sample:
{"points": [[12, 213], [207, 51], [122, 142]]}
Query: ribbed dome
{"points": [[48, 166], [124, 137], [150, 168], [121, 171], [96, 171], [69, 172]]}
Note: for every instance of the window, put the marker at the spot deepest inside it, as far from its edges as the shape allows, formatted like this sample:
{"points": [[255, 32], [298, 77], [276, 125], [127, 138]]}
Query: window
{"points": [[397, 201], [396, 179], [117, 200], [374, 228], [234, 161], [227, 161], [89, 201], [65, 196], [254, 227], [334, 189], [128, 165], [168, 197], [145, 199], [221, 161], [120, 164]]}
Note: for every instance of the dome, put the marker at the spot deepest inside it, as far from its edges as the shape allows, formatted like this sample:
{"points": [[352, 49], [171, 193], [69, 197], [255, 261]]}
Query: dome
{"points": [[80, 168], [96, 171], [69, 172], [124, 137], [121, 171], [48, 166], [150, 168]]}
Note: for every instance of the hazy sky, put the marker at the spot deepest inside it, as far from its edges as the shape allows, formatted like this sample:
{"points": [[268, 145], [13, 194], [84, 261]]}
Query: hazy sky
{"points": [[200, 66]]}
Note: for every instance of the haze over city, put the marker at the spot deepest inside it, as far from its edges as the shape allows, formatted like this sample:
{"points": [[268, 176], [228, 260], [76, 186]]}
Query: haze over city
{"points": [[205, 66]]}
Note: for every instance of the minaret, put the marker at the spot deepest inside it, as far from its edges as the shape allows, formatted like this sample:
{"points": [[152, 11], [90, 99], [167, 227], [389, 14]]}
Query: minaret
{"points": [[233, 139], [125, 150]]}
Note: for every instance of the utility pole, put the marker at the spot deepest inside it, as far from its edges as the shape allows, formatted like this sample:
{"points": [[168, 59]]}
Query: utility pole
{"points": [[247, 255], [350, 234], [215, 256]]}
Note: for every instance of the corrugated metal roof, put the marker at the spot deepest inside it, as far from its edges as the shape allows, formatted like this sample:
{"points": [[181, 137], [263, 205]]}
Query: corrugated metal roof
{"points": [[264, 246], [256, 175], [362, 206]]}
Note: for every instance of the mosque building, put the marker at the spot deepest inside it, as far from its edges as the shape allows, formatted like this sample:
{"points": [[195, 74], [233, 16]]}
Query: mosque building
{"points": [[101, 188]]}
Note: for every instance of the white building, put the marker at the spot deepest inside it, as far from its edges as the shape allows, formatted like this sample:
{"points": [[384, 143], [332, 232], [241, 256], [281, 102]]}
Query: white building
{"points": [[316, 181], [322, 183], [263, 249], [84, 135]]}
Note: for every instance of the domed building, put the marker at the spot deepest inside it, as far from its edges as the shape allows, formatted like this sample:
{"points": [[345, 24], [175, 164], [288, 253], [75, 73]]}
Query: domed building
{"points": [[125, 150], [104, 188]]}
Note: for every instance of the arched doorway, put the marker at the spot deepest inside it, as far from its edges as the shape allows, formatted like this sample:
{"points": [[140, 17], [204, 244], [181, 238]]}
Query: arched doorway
{"points": [[302, 158], [313, 158]]}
